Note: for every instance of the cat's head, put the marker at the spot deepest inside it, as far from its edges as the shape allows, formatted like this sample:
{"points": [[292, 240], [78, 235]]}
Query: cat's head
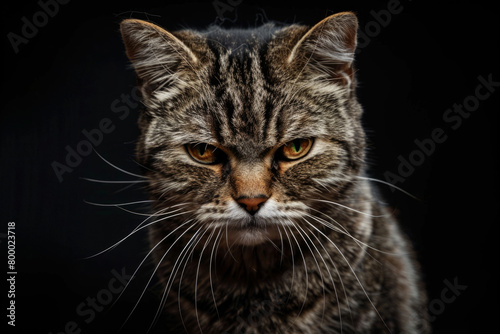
{"points": [[248, 130]]}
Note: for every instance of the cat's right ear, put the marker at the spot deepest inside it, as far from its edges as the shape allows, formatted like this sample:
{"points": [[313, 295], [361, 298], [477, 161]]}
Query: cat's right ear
{"points": [[326, 50], [159, 58]]}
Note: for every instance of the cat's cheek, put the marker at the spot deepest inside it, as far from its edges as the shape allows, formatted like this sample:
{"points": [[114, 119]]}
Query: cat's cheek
{"points": [[216, 170]]}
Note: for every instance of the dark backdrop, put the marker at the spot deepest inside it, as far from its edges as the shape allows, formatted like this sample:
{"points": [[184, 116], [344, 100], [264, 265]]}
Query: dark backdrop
{"points": [[69, 76]]}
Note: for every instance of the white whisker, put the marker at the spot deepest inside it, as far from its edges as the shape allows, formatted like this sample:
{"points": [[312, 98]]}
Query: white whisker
{"points": [[282, 251], [153, 274], [354, 274], [305, 269], [112, 181], [148, 215], [331, 278], [388, 184], [359, 242], [212, 256], [135, 230], [227, 243], [297, 227], [293, 258], [171, 278], [348, 208], [118, 204], [118, 168], [147, 255], [196, 280], [184, 254]]}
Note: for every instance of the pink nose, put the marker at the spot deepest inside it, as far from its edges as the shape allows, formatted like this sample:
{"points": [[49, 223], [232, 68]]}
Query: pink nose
{"points": [[252, 204]]}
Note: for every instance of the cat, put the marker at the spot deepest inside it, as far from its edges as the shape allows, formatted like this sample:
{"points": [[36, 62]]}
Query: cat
{"points": [[265, 221]]}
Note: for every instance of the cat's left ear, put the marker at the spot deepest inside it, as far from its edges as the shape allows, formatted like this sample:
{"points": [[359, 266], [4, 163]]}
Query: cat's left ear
{"points": [[326, 51], [162, 61]]}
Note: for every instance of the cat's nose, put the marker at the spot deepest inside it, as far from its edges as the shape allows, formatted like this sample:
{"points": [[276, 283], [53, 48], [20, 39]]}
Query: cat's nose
{"points": [[252, 204]]}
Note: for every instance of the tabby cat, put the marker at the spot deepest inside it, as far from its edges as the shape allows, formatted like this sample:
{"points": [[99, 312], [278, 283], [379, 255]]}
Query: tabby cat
{"points": [[265, 221]]}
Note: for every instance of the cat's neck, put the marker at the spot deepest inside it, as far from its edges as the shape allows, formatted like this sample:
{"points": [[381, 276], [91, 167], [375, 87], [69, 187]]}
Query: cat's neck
{"points": [[254, 264]]}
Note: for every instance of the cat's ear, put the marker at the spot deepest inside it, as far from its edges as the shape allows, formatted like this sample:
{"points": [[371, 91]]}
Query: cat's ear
{"points": [[327, 49], [159, 58]]}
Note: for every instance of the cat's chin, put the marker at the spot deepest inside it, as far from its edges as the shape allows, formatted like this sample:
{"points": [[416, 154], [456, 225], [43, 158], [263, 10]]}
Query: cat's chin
{"points": [[250, 237]]}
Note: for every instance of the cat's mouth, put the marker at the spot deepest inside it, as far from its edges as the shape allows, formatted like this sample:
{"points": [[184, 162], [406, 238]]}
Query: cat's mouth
{"points": [[252, 231], [270, 223]]}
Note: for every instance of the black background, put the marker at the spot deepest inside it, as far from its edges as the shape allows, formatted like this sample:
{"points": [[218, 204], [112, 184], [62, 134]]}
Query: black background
{"points": [[65, 79]]}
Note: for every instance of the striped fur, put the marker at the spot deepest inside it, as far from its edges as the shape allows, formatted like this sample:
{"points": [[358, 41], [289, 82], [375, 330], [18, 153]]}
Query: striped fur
{"points": [[321, 255]]}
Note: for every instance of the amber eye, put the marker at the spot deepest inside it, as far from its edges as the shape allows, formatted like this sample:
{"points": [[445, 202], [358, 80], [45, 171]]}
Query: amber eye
{"points": [[203, 153], [296, 149]]}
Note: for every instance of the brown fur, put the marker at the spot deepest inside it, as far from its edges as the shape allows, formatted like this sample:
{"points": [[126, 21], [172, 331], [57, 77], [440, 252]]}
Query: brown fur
{"points": [[256, 242]]}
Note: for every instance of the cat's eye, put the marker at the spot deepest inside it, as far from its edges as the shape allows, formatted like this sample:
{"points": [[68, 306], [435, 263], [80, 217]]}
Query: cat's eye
{"points": [[296, 149], [204, 153]]}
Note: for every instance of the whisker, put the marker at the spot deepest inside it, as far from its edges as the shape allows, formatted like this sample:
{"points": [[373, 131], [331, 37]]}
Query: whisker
{"points": [[147, 255], [282, 245], [112, 181], [196, 280], [146, 214], [390, 185], [342, 229], [333, 282], [305, 269], [135, 230], [162, 212], [273, 244], [322, 184], [227, 244], [355, 275], [346, 207], [293, 259], [216, 242], [153, 274], [359, 242], [297, 227], [117, 191], [184, 254], [175, 270], [118, 204], [141, 165], [118, 168]]}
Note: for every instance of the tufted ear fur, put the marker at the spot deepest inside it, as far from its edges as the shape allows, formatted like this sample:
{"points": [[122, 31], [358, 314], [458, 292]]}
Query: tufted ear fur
{"points": [[162, 61], [327, 49]]}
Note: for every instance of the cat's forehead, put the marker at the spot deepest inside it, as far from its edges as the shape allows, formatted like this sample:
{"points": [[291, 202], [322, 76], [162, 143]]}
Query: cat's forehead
{"points": [[251, 109], [247, 97]]}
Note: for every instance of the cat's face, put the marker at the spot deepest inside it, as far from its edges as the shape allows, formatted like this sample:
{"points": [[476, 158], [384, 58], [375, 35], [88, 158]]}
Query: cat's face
{"points": [[249, 131]]}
